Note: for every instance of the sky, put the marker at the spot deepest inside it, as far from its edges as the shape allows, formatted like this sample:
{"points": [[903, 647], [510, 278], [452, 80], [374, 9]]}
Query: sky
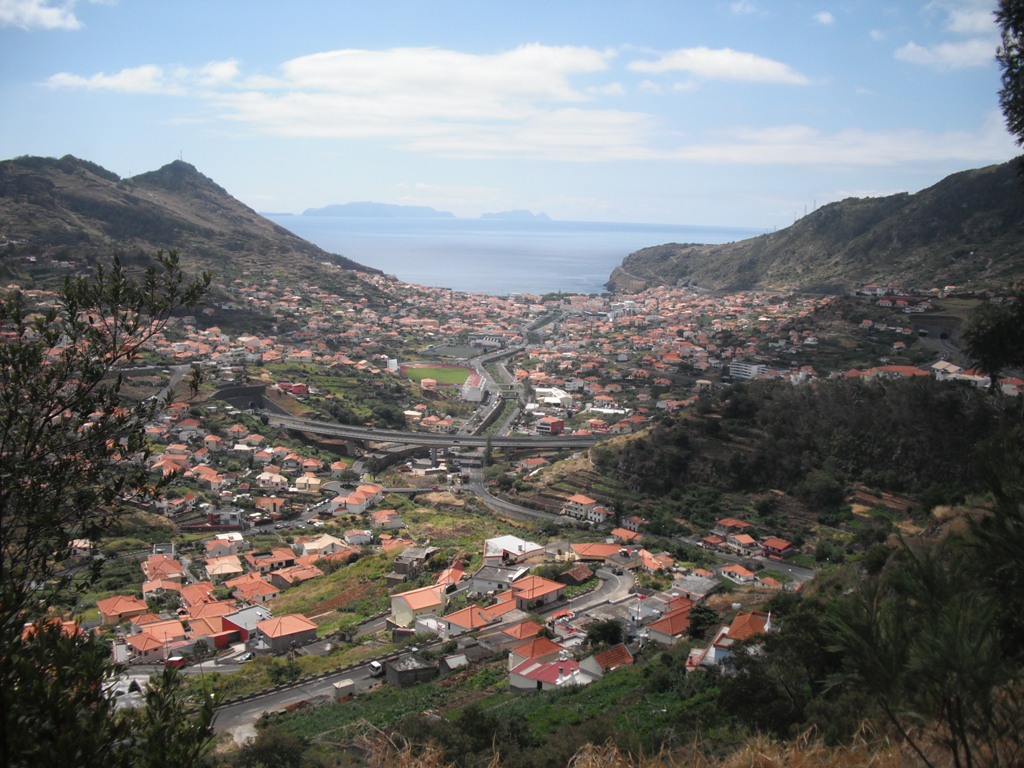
{"points": [[746, 113]]}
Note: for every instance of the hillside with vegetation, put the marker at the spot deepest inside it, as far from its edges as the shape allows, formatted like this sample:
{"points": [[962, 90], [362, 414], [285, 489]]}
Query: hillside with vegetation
{"points": [[905, 649], [966, 230], [61, 216]]}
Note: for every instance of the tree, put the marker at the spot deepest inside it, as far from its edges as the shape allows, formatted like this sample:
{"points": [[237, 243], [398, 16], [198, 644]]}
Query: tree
{"points": [[608, 632], [928, 649], [66, 435], [994, 336], [272, 747], [702, 618], [1010, 17], [71, 453]]}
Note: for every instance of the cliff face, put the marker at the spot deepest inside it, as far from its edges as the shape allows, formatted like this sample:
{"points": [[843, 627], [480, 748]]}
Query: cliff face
{"points": [[74, 211], [967, 230]]}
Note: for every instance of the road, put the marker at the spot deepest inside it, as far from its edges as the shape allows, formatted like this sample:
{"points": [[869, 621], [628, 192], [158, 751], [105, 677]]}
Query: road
{"points": [[239, 719], [478, 488], [430, 438]]}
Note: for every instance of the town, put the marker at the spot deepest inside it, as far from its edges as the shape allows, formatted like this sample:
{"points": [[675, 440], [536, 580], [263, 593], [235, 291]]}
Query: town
{"points": [[245, 553]]}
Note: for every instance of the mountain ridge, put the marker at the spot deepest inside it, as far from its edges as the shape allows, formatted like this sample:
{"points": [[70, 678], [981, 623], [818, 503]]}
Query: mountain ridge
{"points": [[70, 211], [966, 230]]}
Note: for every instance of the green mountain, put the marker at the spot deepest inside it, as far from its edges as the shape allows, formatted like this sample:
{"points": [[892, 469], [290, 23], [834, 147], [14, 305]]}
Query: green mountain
{"points": [[63, 214], [967, 230]]}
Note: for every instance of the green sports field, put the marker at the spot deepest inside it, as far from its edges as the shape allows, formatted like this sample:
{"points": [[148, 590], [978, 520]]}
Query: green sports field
{"points": [[441, 375]]}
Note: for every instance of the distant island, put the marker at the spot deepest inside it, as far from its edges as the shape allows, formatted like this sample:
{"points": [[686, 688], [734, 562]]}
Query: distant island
{"points": [[368, 210], [379, 210], [518, 215]]}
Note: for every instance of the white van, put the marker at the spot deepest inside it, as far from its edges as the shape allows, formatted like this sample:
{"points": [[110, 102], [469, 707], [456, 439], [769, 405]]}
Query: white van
{"points": [[376, 669]]}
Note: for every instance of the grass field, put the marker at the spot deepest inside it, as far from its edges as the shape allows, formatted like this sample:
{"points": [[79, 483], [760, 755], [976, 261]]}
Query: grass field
{"points": [[441, 375]]}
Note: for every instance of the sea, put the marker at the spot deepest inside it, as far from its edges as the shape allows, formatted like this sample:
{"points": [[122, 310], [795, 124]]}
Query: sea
{"points": [[495, 256]]}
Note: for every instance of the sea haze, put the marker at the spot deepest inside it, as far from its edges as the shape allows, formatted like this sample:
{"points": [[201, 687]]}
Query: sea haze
{"points": [[495, 256]]}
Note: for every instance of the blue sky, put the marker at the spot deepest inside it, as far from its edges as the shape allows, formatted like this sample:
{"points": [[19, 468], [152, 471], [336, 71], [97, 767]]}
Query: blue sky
{"points": [[707, 112]]}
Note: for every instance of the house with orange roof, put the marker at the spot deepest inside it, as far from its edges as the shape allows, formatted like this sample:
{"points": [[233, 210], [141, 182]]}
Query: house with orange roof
{"points": [[162, 567], [279, 634], [159, 586], [318, 546], [595, 551], [743, 544], [608, 660], [533, 592], [309, 483], [579, 506], [119, 608], [626, 536], [252, 588], [662, 561], [533, 675], [744, 626], [218, 547], [265, 562], [194, 594], [407, 607], [166, 631], [143, 648], [453, 574], [730, 525], [386, 519], [469, 619], [739, 574], [353, 503], [68, 627], [212, 608], [220, 569], [509, 549], [537, 648], [522, 631], [670, 628], [776, 548], [211, 630], [295, 574]]}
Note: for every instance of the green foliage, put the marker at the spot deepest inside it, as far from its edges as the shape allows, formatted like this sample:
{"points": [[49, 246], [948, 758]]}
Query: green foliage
{"points": [[61, 415], [814, 442], [926, 646], [702, 618], [994, 336], [62, 422], [605, 633], [59, 709], [272, 747], [1010, 17]]}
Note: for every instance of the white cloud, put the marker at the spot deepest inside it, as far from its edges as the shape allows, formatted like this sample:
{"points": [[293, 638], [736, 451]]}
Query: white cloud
{"points": [[150, 78], [972, 20], [976, 52], [38, 14], [219, 72], [742, 7], [722, 64], [807, 146], [971, 23], [145, 79], [436, 100], [824, 17]]}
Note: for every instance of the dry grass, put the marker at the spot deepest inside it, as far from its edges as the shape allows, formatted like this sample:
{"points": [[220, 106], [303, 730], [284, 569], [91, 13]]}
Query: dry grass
{"points": [[758, 752]]}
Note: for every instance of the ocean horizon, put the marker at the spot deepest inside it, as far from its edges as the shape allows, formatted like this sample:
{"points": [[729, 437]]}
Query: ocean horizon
{"points": [[495, 256]]}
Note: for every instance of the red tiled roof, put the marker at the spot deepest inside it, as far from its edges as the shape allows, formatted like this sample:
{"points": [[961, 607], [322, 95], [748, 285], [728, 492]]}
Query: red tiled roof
{"points": [[283, 626], [614, 657]]}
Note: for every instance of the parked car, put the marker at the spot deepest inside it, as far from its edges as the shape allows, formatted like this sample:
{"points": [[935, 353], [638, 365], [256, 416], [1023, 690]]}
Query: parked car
{"points": [[376, 669], [247, 656]]}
